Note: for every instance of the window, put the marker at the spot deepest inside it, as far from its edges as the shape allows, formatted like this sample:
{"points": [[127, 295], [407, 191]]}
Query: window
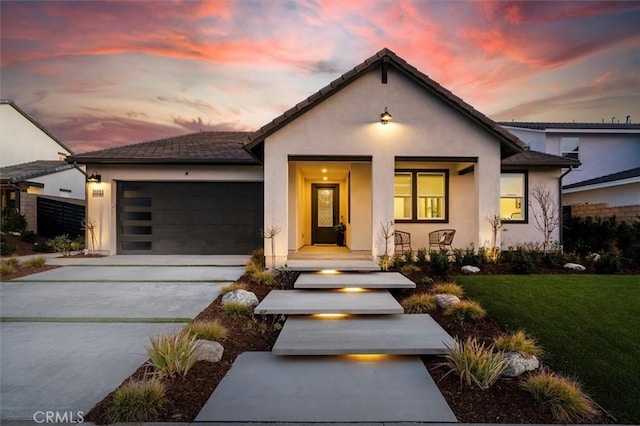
{"points": [[421, 195], [570, 148], [513, 202]]}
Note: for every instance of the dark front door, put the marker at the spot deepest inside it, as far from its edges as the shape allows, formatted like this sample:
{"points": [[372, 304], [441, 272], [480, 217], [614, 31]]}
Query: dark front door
{"points": [[324, 213]]}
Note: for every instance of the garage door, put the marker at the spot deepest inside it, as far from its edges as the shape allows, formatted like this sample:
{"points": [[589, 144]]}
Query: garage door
{"points": [[189, 217]]}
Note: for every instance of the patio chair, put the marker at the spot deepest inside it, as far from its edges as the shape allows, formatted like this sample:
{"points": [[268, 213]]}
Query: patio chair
{"points": [[442, 238], [403, 240]]}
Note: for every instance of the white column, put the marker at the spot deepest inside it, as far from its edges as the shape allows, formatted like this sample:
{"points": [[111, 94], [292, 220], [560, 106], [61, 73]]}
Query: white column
{"points": [[382, 175]]}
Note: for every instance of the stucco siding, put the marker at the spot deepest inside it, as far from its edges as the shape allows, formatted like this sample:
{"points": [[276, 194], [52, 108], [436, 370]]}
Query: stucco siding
{"points": [[615, 196]]}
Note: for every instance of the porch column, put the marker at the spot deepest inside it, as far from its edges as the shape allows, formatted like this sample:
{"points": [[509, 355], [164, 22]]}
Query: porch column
{"points": [[382, 175], [276, 204], [488, 195]]}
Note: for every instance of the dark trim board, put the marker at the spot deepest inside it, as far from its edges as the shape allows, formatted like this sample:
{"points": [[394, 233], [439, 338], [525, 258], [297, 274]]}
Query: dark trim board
{"points": [[437, 159], [342, 158]]}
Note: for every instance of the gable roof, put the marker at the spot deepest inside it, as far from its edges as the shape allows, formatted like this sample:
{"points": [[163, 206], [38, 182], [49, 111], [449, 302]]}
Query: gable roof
{"points": [[510, 143], [21, 172], [35, 123], [624, 175], [531, 125], [538, 159], [201, 147]]}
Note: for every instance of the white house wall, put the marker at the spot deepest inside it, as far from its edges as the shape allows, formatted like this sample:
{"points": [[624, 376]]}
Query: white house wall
{"points": [[102, 208], [23, 142], [68, 183], [347, 124], [615, 196], [513, 233]]}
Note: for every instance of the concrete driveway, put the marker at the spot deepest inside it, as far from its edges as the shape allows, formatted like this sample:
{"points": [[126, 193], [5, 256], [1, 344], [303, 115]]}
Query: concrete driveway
{"points": [[69, 336]]}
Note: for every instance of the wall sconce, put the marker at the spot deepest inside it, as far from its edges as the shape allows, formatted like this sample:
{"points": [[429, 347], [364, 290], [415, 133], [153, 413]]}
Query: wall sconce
{"points": [[386, 116], [94, 178]]}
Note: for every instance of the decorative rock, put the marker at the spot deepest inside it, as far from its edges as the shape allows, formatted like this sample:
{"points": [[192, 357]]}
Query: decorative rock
{"points": [[518, 364], [243, 297], [593, 257], [209, 351], [574, 266], [445, 300], [468, 269]]}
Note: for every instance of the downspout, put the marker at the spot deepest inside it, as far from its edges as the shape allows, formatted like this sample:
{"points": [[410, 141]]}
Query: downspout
{"points": [[560, 230]]}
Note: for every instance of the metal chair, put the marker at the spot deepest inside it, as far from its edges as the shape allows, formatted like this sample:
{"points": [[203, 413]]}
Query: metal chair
{"points": [[402, 239], [442, 238]]}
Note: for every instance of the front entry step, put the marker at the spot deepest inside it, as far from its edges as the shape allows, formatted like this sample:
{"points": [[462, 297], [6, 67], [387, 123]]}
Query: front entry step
{"points": [[372, 280], [388, 334], [347, 265], [307, 302], [263, 387]]}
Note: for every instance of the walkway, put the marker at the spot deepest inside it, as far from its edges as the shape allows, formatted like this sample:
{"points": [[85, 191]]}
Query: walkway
{"points": [[359, 363]]}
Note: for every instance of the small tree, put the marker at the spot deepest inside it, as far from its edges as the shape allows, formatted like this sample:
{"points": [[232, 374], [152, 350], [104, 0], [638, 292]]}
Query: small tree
{"points": [[496, 226], [269, 234], [546, 213], [386, 230], [91, 225]]}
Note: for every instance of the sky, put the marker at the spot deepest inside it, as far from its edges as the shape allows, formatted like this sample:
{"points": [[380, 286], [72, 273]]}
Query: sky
{"points": [[99, 74]]}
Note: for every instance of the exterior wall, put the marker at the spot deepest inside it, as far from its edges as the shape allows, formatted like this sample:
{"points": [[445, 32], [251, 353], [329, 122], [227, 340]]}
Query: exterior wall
{"points": [[624, 213], [101, 207], [514, 233], [536, 139], [68, 183], [359, 230], [614, 196], [347, 124], [22, 141], [600, 154]]}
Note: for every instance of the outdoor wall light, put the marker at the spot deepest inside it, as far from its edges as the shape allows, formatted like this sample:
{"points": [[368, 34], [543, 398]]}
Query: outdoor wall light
{"points": [[386, 116], [94, 178]]}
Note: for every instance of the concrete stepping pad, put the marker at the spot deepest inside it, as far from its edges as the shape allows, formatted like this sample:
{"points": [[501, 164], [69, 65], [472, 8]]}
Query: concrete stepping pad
{"points": [[263, 387], [306, 302], [352, 265], [372, 280], [362, 334]]}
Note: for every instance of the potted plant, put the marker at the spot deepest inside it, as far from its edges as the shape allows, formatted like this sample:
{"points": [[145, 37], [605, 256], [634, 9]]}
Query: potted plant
{"points": [[340, 230]]}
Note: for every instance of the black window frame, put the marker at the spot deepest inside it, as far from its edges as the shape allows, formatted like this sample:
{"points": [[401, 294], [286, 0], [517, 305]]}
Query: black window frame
{"points": [[414, 195], [525, 174]]}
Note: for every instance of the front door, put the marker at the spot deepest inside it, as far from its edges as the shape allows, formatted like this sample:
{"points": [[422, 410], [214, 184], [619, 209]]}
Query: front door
{"points": [[324, 213]]}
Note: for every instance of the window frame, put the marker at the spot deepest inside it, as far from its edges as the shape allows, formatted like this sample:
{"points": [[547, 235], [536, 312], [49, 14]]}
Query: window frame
{"points": [[525, 174], [414, 195], [564, 153]]}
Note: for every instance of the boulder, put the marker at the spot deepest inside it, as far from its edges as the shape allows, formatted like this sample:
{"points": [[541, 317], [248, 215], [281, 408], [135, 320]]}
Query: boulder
{"points": [[518, 364], [574, 266], [468, 269], [242, 297], [209, 351], [593, 257], [445, 300]]}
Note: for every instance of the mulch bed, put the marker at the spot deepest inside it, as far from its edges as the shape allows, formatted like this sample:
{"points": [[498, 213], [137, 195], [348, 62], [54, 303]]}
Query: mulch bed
{"points": [[23, 272], [505, 402]]}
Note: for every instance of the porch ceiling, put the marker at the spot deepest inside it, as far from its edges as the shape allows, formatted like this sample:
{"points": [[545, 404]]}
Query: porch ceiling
{"points": [[316, 171]]}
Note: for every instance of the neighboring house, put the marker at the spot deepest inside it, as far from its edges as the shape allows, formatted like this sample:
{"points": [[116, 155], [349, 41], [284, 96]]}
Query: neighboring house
{"points": [[437, 163], [32, 164], [608, 181]]}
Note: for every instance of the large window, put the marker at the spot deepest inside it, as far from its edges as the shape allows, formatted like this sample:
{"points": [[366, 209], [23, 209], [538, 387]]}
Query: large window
{"points": [[421, 195], [570, 148], [513, 200]]}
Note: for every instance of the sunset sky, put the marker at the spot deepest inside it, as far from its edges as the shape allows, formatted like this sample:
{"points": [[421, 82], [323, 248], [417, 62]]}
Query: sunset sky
{"points": [[105, 73]]}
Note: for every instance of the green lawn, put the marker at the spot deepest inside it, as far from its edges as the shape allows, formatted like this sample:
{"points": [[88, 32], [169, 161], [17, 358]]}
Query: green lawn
{"points": [[589, 326]]}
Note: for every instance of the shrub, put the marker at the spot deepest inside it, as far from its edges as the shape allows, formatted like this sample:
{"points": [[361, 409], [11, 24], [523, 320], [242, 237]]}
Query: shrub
{"points": [[447, 288], [137, 401], [11, 261], [12, 221], [426, 280], [207, 330], [264, 278], [286, 276], [35, 262], [608, 264], [28, 237], [421, 257], [564, 397], [6, 269], [475, 363], [523, 263], [419, 303], [409, 269], [555, 259], [60, 244], [232, 287], [256, 261], [172, 354], [517, 342], [440, 264], [6, 249], [465, 311], [234, 310], [407, 257]]}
